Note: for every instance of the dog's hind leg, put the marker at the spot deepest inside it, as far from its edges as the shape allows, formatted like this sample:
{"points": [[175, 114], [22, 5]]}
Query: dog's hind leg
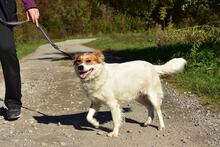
{"points": [[150, 114], [90, 116], [156, 101], [143, 99], [117, 118]]}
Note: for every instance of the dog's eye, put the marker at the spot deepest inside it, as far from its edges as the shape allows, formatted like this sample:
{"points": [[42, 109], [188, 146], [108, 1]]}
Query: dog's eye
{"points": [[78, 61], [88, 61]]}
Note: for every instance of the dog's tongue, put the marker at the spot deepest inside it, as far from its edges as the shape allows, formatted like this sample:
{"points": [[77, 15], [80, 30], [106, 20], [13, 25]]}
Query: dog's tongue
{"points": [[83, 75]]}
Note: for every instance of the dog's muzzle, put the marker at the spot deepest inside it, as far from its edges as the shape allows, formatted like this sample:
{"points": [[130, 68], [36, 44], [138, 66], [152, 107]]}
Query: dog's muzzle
{"points": [[83, 73]]}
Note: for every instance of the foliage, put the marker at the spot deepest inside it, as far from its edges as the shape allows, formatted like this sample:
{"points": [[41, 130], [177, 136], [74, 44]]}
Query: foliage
{"points": [[66, 18]]}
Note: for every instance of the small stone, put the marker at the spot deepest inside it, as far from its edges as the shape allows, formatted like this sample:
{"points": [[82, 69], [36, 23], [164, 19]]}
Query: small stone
{"points": [[63, 143], [4, 122], [199, 111], [197, 124], [183, 140], [157, 135], [67, 109], [168, 117], [58, 124], [129, 131], [43, 144], [31, 121]]}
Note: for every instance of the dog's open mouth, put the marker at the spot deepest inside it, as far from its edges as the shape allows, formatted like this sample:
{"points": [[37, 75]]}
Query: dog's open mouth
{"points": [[84, 74]]}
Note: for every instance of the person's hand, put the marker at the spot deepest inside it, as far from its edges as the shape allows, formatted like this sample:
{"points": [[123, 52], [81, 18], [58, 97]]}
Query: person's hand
{"points": [[34, 15]]}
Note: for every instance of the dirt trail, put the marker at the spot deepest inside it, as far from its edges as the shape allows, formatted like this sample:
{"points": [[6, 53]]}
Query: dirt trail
{"points": [[55, 108]]}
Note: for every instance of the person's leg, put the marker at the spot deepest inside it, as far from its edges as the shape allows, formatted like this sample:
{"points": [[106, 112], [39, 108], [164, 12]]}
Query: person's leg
{"points": [[11, 70]]}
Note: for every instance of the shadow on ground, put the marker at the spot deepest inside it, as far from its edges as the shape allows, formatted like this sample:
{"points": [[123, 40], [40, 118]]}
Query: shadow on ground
{"points": [[3, 111], [151, 54], [79, 122]]}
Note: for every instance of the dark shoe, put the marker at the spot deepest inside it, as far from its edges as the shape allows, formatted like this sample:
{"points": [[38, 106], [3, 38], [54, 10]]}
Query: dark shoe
{"points": [[13, 113]]}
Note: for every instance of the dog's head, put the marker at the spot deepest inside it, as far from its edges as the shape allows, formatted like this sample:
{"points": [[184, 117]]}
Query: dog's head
{"points": [[88, 65]]}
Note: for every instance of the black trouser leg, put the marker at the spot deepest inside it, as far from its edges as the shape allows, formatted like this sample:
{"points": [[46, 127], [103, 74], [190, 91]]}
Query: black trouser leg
{"points": [[11, 71], [10, 66]]}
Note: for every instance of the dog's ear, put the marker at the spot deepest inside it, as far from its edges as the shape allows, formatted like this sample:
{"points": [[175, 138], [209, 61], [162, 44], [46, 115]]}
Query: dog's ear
{"points": [[75, 57], [100, 56]]}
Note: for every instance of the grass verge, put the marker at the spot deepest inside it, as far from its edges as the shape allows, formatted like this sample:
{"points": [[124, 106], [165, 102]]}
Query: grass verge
{"points": [[23, 49]]}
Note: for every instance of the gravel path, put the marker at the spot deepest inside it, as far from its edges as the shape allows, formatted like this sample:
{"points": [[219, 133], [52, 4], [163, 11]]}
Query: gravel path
{"points": [[54, 110]]}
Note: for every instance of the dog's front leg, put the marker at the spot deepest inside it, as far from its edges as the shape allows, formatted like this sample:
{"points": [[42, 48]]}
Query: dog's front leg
{"points": [[116, 116], [90, 116]]}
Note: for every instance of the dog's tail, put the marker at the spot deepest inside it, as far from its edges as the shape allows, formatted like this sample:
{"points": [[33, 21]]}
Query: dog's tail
{"points": [[173, 66]]}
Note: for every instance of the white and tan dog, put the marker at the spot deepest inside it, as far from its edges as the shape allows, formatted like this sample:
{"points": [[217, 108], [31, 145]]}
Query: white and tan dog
{"points": [[113, 84]]}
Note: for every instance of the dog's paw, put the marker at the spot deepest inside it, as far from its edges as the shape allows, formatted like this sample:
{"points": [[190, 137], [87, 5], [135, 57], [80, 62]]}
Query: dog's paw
{"points": [[112, 134], [160, 128], [96, 124], [147, 123]]}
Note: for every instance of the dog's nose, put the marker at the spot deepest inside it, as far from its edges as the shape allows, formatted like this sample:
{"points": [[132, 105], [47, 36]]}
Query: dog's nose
{"points": [[80, 67]]}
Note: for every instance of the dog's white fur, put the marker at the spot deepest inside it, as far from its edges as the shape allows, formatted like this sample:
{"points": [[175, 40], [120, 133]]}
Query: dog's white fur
{"points": [[113, 84]]}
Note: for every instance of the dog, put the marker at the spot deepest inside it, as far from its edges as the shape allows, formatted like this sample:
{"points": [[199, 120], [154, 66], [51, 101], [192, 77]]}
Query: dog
{"points": [[117, 83]]}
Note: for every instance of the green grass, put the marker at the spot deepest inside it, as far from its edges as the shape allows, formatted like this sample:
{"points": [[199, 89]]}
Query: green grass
{"points": [[122, 41], [23, 49], [202, 74], [204, 80]]}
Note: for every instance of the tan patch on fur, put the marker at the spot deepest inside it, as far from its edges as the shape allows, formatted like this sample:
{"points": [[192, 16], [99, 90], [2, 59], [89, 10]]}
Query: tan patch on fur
{"points": [[89, 58]]}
